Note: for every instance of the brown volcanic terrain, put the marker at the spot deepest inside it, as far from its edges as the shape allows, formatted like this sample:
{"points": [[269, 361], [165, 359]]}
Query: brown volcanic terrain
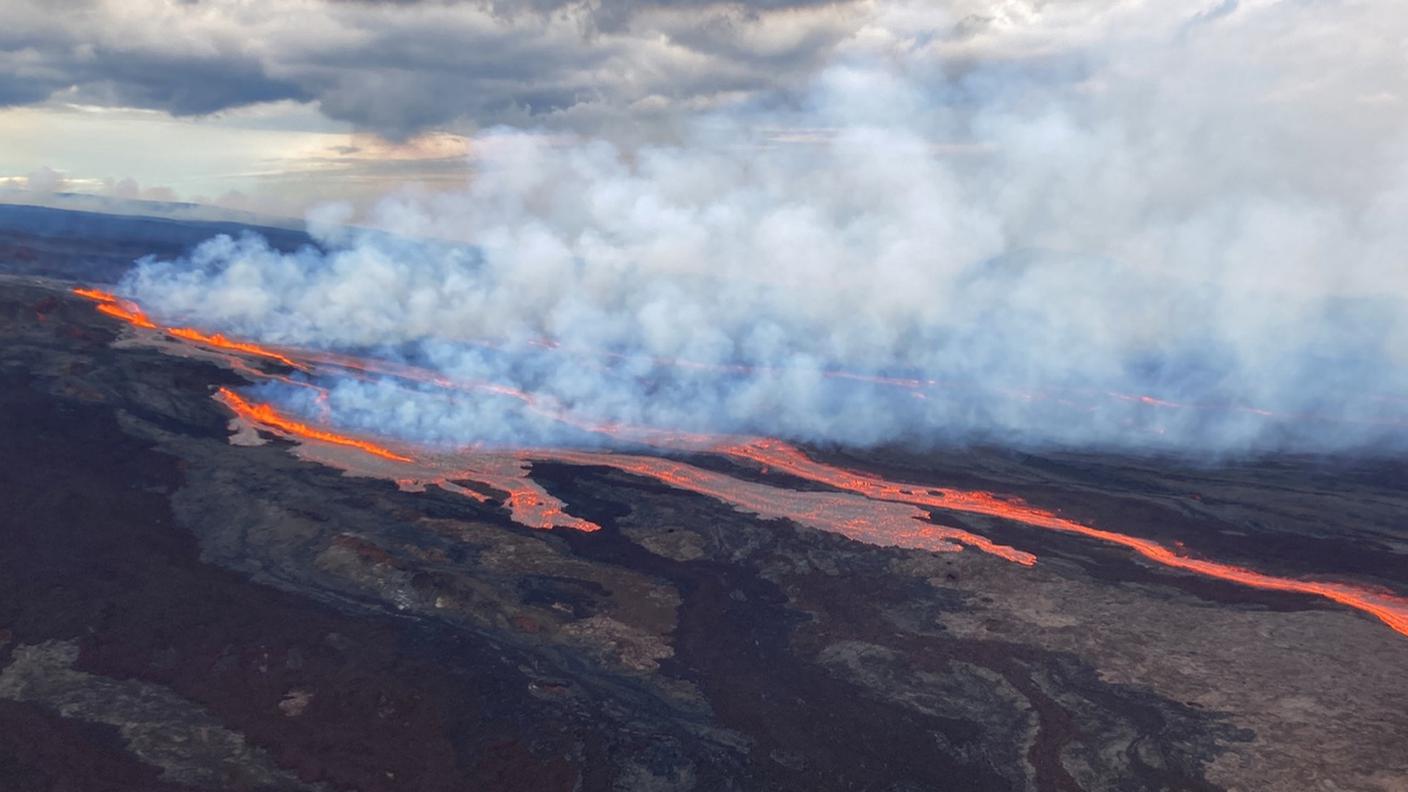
{"points": [[177, 612]]}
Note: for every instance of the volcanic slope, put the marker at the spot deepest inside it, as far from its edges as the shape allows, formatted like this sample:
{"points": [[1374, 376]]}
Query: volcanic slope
{"points": [[329, 631]]}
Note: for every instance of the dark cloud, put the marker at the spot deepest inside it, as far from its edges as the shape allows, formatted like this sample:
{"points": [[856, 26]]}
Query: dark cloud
{"points": [[614, 15], [21, 92], [184, 86], [42, 56], [401, 66]]}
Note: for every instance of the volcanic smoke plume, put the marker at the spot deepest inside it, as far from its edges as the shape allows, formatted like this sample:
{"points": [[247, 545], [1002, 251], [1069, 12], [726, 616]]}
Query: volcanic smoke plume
{"points": [[1184, 237]]}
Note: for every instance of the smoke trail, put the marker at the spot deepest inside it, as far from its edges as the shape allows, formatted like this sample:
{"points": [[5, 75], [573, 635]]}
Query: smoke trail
{"points": [[1184, 234]]}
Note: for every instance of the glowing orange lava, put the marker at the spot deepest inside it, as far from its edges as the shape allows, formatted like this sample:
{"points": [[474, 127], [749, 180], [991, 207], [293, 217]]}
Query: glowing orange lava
{"points": [[539, 405], [129, 312], [268, 416], [897, 525], [221, 341], [121, 309], [528, 503], [95, 295], [865, 507], [777, 455]]}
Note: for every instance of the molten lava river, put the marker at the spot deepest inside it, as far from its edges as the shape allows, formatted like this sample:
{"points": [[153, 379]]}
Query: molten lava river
{"points": [[855, 504]]}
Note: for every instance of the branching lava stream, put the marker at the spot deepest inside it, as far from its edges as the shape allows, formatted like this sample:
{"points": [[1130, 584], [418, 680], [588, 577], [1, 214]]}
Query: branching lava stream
{"points": [[861, 506], [777, 455]]}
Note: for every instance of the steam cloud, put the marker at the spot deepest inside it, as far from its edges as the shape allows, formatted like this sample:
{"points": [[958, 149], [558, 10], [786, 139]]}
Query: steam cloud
{"points": [[1204, 210]]}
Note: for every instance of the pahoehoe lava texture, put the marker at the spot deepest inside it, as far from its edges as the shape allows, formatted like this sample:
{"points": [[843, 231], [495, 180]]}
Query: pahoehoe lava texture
{"points": [[332, 632]]}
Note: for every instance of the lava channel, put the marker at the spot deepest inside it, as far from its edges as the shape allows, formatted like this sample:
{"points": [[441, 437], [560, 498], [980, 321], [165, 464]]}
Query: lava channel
{"points": [[1391, 609], [266, 415], [881, 524]]}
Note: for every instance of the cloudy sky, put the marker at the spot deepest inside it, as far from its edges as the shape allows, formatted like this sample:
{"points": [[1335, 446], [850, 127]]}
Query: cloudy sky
{"points": [[304, 98], [1201, 200], [275, 104]]}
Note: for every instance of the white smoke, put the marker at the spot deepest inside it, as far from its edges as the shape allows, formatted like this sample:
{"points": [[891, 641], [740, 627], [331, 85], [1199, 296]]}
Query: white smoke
{"points": [[1206, 209]]}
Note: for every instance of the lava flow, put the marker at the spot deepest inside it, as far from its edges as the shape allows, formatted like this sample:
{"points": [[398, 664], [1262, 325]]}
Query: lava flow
{"points": [[129, 312], [883, 524], [777, 455], [620, 434], [95, 295], [117, 308], [221, 341], [863, 506], [268, 416], [527, 502], [479, 476]]}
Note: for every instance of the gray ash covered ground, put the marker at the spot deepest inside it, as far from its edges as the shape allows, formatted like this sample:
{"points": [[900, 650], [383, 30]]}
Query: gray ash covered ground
{"points": [[179, 613]]}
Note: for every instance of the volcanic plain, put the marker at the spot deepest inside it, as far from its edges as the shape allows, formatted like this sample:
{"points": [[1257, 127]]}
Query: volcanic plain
{"points": [[179, 611]]}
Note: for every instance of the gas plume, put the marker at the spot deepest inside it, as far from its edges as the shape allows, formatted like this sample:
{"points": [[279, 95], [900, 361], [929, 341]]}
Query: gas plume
{"points": [[1183, 233]]}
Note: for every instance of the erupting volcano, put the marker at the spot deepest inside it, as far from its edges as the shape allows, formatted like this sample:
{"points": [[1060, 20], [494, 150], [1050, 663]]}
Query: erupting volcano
{"points": [[856, 504], [695, 395]]}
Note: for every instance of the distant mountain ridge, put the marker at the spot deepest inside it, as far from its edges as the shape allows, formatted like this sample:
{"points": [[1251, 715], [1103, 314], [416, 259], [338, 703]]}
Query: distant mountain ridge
{"points": [[98, 247]]}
